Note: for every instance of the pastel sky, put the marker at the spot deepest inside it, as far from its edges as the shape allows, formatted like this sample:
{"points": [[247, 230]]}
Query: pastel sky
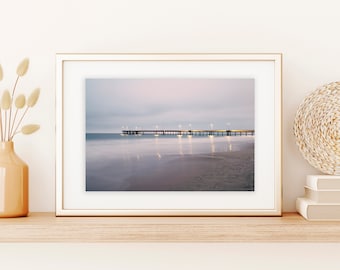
{"points": [[112, 104]]}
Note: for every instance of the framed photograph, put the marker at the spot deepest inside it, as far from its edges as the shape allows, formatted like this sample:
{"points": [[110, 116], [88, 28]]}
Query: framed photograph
{"points": [[168, 134]]}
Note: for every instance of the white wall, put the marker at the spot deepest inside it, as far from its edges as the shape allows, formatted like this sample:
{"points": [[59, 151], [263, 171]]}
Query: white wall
{"points": [[306, 32]]}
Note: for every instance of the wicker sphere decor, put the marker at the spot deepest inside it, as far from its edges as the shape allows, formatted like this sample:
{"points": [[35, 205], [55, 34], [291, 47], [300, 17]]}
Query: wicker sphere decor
{"points": [[317, 128]]}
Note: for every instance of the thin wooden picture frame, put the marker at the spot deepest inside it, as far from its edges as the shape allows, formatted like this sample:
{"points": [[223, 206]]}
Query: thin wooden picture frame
{"points": [[76, 195]]}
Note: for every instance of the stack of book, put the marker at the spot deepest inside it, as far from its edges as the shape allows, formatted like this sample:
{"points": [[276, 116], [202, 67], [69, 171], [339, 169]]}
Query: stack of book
{"points": [[322, 198]]}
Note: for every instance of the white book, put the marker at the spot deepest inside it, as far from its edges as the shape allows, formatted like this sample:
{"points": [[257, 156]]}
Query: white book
{"points": [[323, 195], [323, 181], [312, 210]]}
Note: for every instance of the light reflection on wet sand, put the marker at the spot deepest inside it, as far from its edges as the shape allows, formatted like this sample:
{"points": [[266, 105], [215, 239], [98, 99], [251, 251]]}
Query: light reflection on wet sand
{"points": [[215, 163]]}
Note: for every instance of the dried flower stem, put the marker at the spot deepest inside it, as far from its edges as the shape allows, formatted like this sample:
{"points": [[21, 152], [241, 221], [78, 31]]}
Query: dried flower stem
{"points": [[10, 110], [17, 126], [11, 130], [15, 85], [5, 131]]}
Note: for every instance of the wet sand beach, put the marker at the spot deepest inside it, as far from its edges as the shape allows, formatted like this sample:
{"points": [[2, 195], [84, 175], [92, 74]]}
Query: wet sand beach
{"points": [[220, 171]]}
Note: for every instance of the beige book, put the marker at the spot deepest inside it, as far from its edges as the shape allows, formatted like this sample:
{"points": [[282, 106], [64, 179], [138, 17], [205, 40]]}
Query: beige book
{"points": [[323, 195], [323, 181], [312, 210]]}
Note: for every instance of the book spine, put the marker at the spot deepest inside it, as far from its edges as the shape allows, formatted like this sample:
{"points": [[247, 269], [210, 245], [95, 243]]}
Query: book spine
{"points": [[319, 182], [312, 181], [323, 195], [313, 211], [301, 207]]}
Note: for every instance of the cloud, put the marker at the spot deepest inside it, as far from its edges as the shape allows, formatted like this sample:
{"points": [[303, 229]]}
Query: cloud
{"points": [[168, 102]]}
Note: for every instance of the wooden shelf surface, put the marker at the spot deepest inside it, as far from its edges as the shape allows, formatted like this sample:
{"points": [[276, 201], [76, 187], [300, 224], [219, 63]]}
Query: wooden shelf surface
{"points": [[45, 227]]}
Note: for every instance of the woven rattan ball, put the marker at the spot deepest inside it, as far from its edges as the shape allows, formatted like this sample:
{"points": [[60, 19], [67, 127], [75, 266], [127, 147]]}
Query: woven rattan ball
{"points": [[317, 128]]}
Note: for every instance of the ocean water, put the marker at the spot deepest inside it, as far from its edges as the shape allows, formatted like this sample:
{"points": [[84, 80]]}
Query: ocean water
{"points": [[168, 162]]}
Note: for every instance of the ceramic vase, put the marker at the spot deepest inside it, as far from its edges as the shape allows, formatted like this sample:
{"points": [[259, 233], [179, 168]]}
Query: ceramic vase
{"points": [[13, 182]]}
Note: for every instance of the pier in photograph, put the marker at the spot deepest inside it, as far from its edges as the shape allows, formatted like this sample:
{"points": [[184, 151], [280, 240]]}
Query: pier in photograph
{"points": [[194, 132]]}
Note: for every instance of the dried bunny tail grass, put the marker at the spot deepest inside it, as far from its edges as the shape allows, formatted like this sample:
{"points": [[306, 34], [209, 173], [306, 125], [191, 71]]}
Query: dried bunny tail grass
{"points": [[29, 129], [6, 100], [20, 101], [33, 98], [21, 71], [8, 126], [31, 101], [23, 67], [1, 73]]}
